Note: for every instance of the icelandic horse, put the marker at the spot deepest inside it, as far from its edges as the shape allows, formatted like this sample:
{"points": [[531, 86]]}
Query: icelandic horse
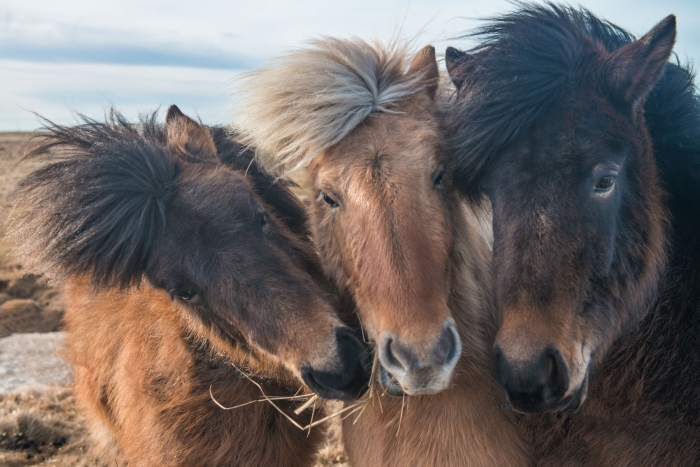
{"points": [[365, 126], [591, 160], [189, 278]]}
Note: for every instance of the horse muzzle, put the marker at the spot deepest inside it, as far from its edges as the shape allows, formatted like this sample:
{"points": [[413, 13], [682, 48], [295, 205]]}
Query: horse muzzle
{"points": [[405, 370], [540, 384]]}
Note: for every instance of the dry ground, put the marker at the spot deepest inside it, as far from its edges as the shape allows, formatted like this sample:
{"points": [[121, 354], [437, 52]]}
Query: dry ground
{"points": [[39, 424]]}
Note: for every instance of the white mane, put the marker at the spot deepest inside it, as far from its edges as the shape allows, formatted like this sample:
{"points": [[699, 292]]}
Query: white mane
{"points": [[309, 99]]}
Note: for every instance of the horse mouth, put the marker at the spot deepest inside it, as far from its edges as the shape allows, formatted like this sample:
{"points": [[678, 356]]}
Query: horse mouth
{"points": [[568, 404], [388, 383], [573, 403]]}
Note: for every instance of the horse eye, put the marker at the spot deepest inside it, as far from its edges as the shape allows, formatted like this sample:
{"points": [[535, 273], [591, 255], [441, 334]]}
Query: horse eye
{"points": [[438, 180], [331, 202], [262, 217], [184, 294], [605, 184]]}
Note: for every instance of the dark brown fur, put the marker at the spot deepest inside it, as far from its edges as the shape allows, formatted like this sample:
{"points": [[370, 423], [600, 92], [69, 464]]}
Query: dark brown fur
{"points": [[591, 158]]}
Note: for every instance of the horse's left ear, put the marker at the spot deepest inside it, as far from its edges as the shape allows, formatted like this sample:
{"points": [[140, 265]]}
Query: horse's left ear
{"points": [[425, 65], [186, 138], [456, 62], [638, 66]]}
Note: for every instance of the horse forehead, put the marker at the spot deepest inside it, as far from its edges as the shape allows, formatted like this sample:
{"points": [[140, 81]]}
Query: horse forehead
{"points": [[564, 145], [390, 155], [216, 195]]}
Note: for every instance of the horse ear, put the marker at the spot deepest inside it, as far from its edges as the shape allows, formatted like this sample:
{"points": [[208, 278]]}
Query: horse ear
{"points": [[638, 66], [425, 64], [456, 62], [187, 139]]}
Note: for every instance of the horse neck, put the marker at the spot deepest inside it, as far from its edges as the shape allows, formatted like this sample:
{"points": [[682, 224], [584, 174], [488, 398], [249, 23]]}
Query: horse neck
{"points": [[672, 117], [666, 340]]}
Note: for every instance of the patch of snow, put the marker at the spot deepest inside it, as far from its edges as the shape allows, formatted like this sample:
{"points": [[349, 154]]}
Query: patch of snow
{"points": [[31, 362]]}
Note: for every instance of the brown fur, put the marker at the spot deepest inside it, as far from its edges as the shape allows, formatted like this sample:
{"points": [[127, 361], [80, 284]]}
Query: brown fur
{"points": [[143, 380], [395, 239], [466, 424], [591, 160]]}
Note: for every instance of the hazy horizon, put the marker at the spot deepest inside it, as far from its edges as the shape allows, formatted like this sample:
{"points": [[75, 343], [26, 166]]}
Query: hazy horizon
{"points": [[62, 58]]}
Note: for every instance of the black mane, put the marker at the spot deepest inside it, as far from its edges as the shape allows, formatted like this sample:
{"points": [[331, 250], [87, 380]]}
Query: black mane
{"points": [[274, 191], [672, 113], [96, 206], [100, 195], [525, 62]]}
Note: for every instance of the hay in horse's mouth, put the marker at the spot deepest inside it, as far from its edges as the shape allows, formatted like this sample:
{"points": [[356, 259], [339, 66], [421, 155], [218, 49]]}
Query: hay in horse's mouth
{"points": [[310, 400], [389, 383]]}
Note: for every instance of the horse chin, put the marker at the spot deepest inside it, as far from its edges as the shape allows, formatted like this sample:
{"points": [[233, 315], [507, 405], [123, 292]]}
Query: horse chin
{"points": [[388, 383], [568, 404]]}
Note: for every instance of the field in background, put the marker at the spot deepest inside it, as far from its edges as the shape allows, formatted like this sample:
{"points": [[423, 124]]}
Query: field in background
{"points": [[39, 424]]}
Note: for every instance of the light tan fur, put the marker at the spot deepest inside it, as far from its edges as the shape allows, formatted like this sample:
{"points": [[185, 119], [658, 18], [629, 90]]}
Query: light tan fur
{"points": [[466, 425], [310, 99]]}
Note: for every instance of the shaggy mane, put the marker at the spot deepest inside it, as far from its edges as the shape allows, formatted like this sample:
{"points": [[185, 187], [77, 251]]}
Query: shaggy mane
{"points": [[527, 60], [523, 64], [96, 204], [309, 99]]}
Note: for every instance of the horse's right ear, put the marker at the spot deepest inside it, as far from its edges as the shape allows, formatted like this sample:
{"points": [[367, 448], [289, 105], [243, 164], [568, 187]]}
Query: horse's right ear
{"points": [[637, 67], [187, 139], [456, 62], [424, 62]]}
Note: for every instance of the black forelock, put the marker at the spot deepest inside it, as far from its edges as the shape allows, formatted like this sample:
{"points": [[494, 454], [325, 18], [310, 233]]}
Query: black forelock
{"points": [[97, 205], [274, 191], [523, 64]]}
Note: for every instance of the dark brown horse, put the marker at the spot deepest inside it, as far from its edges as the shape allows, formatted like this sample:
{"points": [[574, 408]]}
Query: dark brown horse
{"points": [[189, 273], [366, 122], [587, 143]]}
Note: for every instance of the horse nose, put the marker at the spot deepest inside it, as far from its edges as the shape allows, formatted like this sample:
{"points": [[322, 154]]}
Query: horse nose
{"points": [[350, 377], [532, 384], [421, 372]]}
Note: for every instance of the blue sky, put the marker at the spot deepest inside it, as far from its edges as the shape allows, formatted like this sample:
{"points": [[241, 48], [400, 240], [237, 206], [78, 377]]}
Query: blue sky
{"points": [[66, 56]]}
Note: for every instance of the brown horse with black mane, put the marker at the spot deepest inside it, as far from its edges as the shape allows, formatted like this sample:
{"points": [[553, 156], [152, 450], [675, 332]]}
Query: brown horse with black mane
{"points": [[587, 143], [366, 124], [189, 274]]}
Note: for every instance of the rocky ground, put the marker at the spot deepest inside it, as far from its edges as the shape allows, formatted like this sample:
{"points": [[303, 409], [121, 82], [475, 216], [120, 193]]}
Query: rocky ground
{"points": [[39, 424]]}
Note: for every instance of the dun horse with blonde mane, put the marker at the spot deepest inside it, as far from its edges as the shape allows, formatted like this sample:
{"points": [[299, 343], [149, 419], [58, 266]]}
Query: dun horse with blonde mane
{"points": [[365, 124], [190, 276]]}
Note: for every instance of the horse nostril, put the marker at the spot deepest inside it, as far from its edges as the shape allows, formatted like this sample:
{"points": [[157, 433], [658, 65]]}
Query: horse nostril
{"points": [[532, 383], [355, 353], [390, 359], [347, 377], [556, 376], [449, 348], [346, 336]]}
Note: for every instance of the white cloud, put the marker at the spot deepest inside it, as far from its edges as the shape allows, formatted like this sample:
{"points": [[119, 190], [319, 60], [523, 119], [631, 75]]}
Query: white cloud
{"points": [[56, 90], [211, 33]]}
